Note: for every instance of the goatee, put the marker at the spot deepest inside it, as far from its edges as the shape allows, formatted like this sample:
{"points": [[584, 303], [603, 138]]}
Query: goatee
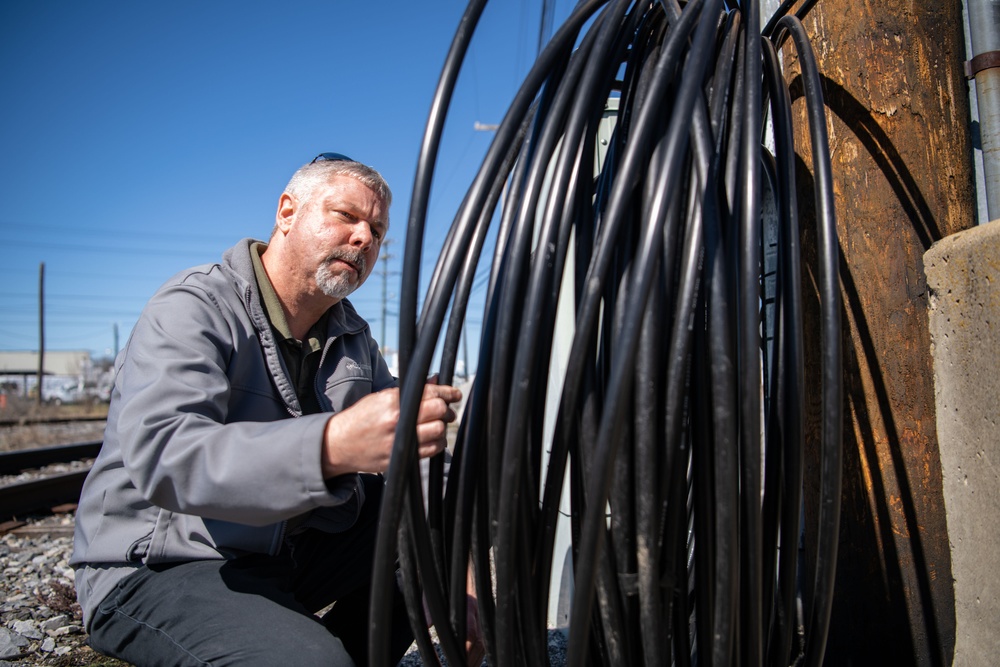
{"points": [[338, 285]]}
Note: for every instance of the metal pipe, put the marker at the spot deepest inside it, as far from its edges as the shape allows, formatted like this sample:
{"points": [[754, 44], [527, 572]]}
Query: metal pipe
{"points": [[984, 36]]}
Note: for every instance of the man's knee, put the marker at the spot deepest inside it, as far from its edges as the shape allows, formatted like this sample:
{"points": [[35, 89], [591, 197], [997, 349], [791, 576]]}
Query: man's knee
{"points": [[288, 638], [210, 613]]}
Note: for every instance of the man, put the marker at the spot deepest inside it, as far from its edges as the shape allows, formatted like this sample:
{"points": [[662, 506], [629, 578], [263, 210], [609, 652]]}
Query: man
{"points": [[237, 490]]}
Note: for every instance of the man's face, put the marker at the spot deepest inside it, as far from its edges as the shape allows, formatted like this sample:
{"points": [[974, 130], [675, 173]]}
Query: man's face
{"points": [[337, 235]]}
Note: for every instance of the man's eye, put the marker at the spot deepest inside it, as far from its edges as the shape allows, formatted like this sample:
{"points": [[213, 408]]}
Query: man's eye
{"points": [[376, 234]]}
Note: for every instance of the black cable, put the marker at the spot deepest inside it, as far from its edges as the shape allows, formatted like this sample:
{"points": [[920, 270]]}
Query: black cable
{"points": [[436, 302], [751, 556], [790, 384], [831, 466], [539, 311], [383, 579], [676, 141], [679, 428]]}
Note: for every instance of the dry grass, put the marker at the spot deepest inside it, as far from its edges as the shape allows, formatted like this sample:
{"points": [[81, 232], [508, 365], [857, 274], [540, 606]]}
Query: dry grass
{"points": [[19, 430]]}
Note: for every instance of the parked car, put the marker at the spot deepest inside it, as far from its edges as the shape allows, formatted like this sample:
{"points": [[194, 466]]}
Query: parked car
{"points": [[100, 393], [58, 394]]}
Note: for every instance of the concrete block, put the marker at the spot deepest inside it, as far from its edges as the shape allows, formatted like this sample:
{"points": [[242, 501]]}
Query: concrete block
{"points": [[963, 276]]}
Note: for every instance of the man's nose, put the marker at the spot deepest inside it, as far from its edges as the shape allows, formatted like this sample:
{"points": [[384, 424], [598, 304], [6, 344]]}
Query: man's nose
{"points": [[361, 236]]}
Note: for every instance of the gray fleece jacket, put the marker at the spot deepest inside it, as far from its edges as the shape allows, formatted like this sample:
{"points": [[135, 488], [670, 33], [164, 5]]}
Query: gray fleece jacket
{"points": [[207, 452]]}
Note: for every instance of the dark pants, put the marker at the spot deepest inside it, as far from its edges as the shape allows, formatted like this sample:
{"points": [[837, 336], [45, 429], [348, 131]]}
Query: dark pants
{"points": [[254, 610]]}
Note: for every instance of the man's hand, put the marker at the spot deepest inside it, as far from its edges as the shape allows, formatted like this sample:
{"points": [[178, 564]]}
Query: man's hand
{"points": [[475, 649], [475, 646], [359, 439]]}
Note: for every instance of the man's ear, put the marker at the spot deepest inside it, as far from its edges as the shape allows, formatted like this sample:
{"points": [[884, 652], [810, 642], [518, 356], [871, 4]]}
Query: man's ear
{"points": [[288, 206]]}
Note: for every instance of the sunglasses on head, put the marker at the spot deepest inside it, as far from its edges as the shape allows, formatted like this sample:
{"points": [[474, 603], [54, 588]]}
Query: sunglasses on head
{"points": [[332, 157]]}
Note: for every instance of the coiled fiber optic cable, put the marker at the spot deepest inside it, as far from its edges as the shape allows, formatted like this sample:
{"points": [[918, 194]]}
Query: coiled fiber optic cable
{"points": [[680, 430]]}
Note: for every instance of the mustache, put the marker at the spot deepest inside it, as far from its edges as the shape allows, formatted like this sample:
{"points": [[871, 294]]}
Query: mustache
{"points": [[355, 257]]}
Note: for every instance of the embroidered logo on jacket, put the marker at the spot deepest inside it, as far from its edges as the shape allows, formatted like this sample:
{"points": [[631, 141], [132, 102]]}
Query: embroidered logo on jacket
{"points": [[352, 365]]}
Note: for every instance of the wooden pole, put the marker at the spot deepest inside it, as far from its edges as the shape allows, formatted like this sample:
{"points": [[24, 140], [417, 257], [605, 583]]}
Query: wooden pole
{"points": [[898, 119], [41, 332]]}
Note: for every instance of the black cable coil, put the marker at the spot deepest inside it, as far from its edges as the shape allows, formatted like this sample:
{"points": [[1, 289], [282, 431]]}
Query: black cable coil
{"points": [[681, 418]]}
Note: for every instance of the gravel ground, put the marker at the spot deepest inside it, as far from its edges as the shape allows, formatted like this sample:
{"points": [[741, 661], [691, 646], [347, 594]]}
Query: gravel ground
{"points": [[39, 618]]}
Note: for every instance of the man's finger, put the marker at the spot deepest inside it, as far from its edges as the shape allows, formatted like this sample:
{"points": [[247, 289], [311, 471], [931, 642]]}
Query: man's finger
{"points": [[429, 445], [444, 391]]}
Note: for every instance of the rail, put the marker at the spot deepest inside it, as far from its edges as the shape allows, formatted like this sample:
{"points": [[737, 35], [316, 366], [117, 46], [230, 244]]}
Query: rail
{"points": [[31, 421], [41, 494], [14, 462]]}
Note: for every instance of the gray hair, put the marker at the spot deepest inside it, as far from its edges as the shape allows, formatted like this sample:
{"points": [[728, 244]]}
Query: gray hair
{"points": [[304, 182]]}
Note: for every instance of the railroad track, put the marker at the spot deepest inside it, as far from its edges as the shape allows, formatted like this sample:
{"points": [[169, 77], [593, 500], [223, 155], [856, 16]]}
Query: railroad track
{"points": [[44, 490], [28, 421]]}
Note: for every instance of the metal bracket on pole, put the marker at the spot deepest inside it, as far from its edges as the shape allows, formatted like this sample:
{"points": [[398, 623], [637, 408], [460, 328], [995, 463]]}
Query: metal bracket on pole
{"points": [[983, 61]]}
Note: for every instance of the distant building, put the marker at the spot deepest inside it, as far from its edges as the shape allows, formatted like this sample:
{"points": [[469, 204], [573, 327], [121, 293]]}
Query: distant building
{"points": [[68, 373], [63, 362]]}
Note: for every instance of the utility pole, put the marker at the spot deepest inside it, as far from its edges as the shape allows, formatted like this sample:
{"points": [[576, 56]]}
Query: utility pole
{"points": [[898, 118], [385, 257], [41, 330], [465, 353]]}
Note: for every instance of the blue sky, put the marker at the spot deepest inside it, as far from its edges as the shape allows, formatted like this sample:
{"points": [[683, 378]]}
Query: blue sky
{"points": [[140, 138]]}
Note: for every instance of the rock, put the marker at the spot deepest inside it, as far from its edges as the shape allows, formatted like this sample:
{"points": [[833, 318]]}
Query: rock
{"points": [[27, 629], [54, 623], [11, 644]]}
